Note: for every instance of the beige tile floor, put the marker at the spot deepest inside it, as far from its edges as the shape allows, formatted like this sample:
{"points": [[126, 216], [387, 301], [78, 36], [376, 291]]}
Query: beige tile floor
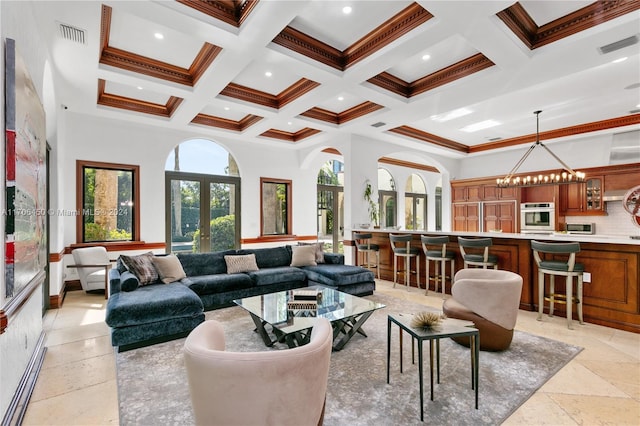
{"points": [[601, 386]]}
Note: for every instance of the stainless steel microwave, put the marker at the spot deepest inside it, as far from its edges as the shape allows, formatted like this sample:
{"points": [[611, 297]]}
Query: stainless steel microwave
{"points": [[537, 217], [580, 228]]}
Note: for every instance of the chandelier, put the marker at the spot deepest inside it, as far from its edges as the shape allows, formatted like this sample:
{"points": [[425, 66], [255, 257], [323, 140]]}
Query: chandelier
{"points": [[567, 176]]}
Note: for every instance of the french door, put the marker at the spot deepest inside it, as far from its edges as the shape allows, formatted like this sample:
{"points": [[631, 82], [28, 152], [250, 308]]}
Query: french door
{"points": [[202, 212], [331, 217]]}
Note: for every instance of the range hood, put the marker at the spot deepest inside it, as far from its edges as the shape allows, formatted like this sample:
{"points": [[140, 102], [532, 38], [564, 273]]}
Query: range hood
{"points": [[616, 195]]}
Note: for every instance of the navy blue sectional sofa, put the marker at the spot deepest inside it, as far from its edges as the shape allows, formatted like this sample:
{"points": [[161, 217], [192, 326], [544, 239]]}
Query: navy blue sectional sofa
{"points": [[159, 312]]}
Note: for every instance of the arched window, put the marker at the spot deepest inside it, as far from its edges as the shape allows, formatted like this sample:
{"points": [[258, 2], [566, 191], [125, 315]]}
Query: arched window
{"points": [[415, 203], [202, 198], [331, 206], [387, 198]]}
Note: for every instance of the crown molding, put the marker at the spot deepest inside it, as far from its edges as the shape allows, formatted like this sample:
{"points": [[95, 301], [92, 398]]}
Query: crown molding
{"points": [[130, 104]]}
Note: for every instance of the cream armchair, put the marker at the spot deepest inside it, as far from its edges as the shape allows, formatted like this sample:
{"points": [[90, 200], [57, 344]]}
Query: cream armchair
{"points": [[93, 266], [491, 299], [271, 387]]}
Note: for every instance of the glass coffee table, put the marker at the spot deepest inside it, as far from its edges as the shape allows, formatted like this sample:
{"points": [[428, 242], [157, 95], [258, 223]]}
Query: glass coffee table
{"points": [[292, 324]]}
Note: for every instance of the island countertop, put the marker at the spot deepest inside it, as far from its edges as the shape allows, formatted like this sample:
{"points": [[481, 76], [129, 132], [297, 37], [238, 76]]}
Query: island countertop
{"points": [[555, 236], [611, 292]]}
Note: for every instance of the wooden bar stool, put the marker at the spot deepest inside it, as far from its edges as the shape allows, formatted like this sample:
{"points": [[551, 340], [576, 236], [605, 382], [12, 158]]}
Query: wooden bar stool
{"points": [[479, 253], [404, 249], [566, 268], [435, 248], [364, 246]]}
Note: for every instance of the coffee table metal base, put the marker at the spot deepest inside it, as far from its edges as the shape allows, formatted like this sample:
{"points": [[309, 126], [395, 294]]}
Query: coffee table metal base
{"points": [[343, 330]]}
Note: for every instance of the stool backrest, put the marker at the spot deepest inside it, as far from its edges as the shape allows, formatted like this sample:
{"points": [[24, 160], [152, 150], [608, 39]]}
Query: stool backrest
{"points": [[441, 242], [406, 238], [362, 240], [556, 248], [475, 243]]}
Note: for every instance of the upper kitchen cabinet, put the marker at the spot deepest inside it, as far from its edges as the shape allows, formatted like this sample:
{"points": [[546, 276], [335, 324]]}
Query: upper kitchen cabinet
{"points": [[583, 199], [492, 192], [461, 192], [539, 194], [466, 193]]}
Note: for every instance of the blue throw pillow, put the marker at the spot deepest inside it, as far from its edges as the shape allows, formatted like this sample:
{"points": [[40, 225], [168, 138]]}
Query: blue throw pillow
{"points": [[128, 281]]}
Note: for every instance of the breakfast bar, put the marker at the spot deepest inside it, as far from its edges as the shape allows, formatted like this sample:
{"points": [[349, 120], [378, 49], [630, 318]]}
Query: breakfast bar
{"points": [[611, 291]]}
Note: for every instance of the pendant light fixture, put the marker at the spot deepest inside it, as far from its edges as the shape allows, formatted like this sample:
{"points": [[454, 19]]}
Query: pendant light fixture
{"points": [[568, 176]]}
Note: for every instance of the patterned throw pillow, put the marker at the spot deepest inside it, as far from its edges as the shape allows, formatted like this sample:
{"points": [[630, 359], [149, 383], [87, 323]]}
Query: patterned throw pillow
{"points": [[319, 250], [303, 256], [142, 267], [241, 263], [169, 268]]}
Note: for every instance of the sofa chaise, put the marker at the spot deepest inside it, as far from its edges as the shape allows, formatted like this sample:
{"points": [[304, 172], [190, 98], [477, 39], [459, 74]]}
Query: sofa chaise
{"points": [[140, 314]]}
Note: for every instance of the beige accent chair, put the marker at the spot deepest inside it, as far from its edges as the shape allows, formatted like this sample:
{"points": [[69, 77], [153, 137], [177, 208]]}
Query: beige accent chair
{"points": [[491, 299], [271, 387], [93, 266]]}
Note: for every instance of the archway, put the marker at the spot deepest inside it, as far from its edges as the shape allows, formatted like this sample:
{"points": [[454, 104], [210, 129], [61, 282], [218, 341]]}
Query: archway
{"points": [[202, 198], [415, 203], [331, 206]]}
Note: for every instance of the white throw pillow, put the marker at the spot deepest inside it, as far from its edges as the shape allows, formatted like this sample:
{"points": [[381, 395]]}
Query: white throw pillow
{"points": [[303, 256]]}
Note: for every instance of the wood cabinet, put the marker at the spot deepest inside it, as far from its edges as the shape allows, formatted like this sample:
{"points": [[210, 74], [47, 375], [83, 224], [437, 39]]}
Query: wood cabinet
{"points": [[466, 217], [583, 199], [539, 194], [492, 192], [499, 215], [466, 193]]}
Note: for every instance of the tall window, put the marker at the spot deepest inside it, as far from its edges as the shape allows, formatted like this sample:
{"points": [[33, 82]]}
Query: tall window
{"points": [[388, 197], [202, 198], [415, 203], [107, 198], [275, 200]]}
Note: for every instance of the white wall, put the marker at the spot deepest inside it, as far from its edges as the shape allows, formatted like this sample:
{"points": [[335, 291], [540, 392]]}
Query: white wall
{"points": [[19, 340], [589, 151]]}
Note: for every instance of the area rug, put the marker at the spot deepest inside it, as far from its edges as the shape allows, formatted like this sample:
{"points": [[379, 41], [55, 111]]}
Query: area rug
{"points": [[153, 389]]}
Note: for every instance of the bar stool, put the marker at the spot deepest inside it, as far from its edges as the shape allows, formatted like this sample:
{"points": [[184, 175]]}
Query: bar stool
{"points": [[479, 255], [441, 256], [553, 267], [404, 250], [364, 246]]}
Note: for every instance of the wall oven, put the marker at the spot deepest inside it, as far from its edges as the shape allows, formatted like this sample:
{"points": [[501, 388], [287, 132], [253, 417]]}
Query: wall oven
{"points": [[537, 217]]}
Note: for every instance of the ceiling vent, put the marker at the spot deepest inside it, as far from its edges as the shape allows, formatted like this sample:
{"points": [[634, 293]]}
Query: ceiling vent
{"points": [[378, 124], [494, 139], [71, 33], [620, 44]]}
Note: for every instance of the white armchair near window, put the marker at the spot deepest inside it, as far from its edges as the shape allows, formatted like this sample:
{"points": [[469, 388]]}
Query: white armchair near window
{"points": [[93, 266]]}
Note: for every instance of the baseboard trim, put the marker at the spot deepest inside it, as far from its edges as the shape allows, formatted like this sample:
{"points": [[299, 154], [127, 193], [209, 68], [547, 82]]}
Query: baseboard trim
{"points": [[56, 300], [18, 406]]}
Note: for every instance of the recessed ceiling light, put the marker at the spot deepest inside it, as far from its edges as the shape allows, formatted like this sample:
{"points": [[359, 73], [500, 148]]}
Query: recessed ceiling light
{"points": [[227, 108], [617, 61], [139, 87], [268, 74], [460, 112], [347, 10], [341, 98], [159, 36], [289, 123], [426, 57], [480, 125], [638, 106]]}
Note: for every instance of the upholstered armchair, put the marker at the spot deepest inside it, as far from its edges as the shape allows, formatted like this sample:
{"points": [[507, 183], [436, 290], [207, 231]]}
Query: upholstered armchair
{"points": [[93, 265], [491, 299], [271, 387]]}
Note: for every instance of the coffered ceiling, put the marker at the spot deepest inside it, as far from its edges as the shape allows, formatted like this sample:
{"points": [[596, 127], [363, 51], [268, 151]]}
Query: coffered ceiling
{"points": [[294, 73]]}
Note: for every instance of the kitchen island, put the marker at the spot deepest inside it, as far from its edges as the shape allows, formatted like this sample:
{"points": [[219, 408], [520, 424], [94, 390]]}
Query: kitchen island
{"points": [[611, 298]]}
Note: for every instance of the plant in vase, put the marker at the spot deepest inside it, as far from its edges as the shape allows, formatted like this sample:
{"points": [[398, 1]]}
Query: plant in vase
{"points": [[372, 207]]}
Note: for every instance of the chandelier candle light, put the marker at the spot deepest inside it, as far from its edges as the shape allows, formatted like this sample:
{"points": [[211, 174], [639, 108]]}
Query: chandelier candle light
{"points": [[568, 176]]}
